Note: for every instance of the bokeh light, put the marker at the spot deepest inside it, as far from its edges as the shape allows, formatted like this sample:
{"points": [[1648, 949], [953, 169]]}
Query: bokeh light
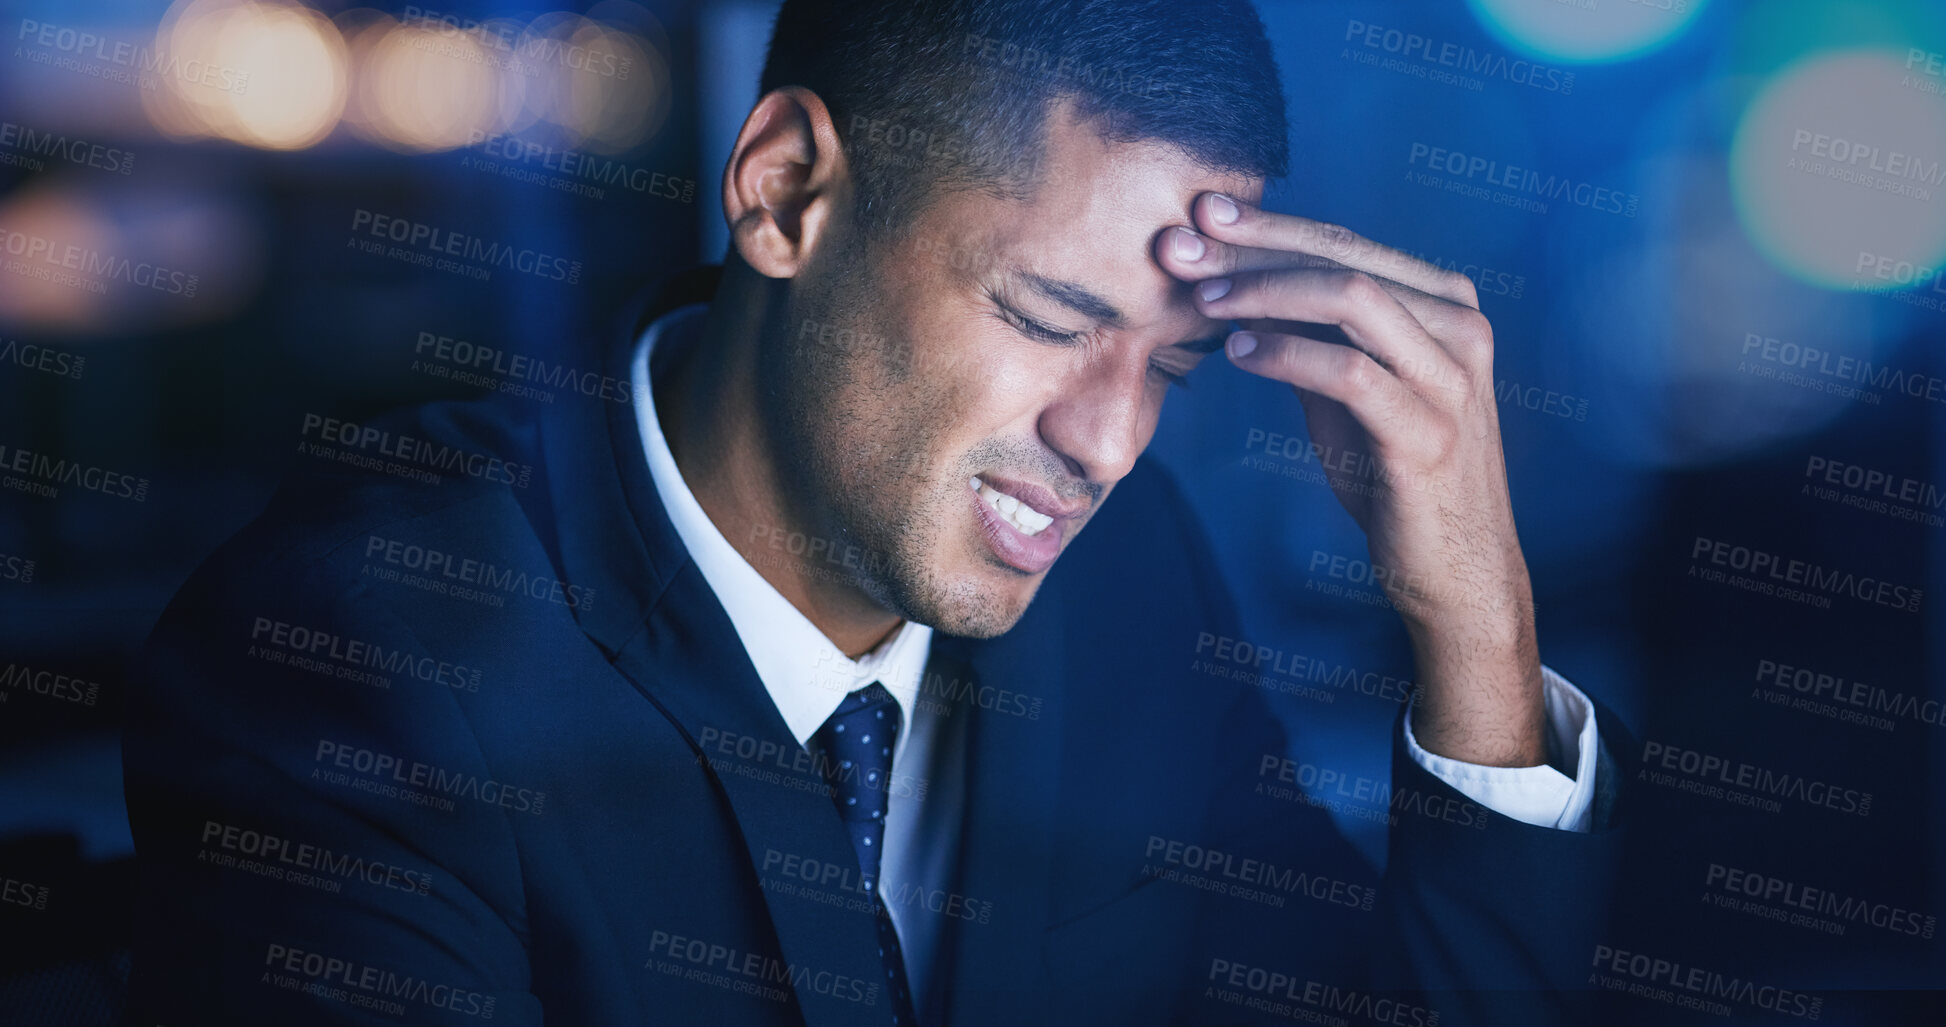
{"points": [[274, 74], [1839, 169], [1586, 30]]}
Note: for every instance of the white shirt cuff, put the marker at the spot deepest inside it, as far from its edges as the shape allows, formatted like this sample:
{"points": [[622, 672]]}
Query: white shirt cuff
{"points": [[1541, 795]]}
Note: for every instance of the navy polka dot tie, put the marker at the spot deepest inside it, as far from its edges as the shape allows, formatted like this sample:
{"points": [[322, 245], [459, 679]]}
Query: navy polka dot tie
{"points": [[857, 746]]}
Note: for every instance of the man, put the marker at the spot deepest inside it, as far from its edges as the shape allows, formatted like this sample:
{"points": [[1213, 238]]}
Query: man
{"points": [[838, 678]]}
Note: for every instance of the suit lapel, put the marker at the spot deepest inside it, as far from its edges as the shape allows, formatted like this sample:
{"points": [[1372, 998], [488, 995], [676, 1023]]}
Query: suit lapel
{"points": [[690, 663], [997, 972], [663, 628]]}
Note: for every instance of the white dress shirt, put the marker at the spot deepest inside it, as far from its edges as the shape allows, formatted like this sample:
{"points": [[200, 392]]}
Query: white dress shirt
{"points": [[807, 677]]}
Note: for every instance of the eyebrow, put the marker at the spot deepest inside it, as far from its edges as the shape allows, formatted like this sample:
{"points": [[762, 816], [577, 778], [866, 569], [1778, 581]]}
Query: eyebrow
{"points": [[1074, 297], [1078, 298], [1206, 344]]}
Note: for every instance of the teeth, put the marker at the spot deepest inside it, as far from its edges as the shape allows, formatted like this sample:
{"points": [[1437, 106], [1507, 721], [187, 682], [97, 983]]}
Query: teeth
{"points": [[1029, 520]]}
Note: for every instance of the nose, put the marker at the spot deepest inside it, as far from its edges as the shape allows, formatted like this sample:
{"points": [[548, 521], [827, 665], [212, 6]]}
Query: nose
{"points": [[1100, 419]]}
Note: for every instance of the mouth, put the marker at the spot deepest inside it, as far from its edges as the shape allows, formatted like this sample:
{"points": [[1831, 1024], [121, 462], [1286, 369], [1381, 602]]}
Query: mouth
{"points": [[1023, 523]]}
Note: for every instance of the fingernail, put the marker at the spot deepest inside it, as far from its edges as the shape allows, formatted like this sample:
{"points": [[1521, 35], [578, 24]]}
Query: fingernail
{"points": [[1222, 209], [1214, 289], [1189, 245], [1241, 344]]}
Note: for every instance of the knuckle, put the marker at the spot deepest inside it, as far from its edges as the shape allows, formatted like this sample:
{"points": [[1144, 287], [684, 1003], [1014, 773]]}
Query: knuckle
{"points": [[1356, 371], [1462, 288], [1441, 438], [1361, 288], [1336, 239], [1476, 335]]}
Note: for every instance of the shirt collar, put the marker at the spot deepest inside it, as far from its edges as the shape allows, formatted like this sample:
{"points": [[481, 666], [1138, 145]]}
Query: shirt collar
{"points": [[806, 675]]}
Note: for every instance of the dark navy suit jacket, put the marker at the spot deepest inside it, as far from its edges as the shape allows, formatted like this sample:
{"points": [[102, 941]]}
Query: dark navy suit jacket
{"points": [[486, 749]]}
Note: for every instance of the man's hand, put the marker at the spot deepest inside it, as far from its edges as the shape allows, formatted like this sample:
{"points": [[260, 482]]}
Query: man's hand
{"points": [[1393, 363]]}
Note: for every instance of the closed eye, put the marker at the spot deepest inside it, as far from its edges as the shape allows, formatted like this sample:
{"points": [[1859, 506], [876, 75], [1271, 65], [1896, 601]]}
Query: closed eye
{"points": [[1045, 333], [1175, 380], [1054, 336]]}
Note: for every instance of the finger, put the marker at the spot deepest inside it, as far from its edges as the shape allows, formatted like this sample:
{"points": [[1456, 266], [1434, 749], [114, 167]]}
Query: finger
{"points": [[1234, 221], [1376, 399], [1192, 256], [1370, 317], [1461, 330]]}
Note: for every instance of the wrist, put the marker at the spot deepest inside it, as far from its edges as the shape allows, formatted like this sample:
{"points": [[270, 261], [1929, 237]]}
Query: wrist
{"points": [[1482, 693]]}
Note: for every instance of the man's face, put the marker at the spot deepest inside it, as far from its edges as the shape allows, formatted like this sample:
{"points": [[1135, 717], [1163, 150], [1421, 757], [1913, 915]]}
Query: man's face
{"points": [[1023, 345]]}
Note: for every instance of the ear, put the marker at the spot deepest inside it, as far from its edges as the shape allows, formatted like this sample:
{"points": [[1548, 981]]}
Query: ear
{"points": [[786, 177]]}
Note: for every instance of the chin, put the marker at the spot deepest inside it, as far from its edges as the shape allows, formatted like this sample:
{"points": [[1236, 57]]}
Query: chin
{"points": [[974, 607]]}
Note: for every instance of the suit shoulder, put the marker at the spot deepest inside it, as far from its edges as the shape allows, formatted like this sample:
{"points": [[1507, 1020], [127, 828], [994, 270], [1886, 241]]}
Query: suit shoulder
{"points": [[433, 496]]}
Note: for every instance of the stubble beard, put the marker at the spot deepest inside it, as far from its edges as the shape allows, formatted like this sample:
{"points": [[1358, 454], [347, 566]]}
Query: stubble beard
{"points": [[854, 435]]}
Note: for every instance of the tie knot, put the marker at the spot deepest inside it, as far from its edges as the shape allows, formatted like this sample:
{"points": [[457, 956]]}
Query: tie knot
{"points": [[857, 743], [874, 694]]}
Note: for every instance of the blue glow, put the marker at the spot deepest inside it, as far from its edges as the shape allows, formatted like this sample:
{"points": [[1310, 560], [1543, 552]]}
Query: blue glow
{"points": [[1586, 31]]}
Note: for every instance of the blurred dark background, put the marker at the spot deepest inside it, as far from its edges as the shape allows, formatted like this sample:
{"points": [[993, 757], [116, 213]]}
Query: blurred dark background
{"points": [[1704, 233]]}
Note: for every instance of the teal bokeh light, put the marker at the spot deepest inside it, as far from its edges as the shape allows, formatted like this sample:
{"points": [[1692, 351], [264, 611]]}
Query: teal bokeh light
{"points": [[1838, 171], [1586, 31]]}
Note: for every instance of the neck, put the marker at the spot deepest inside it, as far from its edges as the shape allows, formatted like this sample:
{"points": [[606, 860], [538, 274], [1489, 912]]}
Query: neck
{"points": [[707, 403]]}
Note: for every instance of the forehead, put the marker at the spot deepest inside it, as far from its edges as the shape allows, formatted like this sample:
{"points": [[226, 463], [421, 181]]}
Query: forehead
{"points": [[1094, 216]]}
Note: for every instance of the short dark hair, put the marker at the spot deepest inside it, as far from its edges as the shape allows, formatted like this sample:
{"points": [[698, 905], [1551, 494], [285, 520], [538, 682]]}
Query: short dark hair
{"points": [[927, 93]]}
